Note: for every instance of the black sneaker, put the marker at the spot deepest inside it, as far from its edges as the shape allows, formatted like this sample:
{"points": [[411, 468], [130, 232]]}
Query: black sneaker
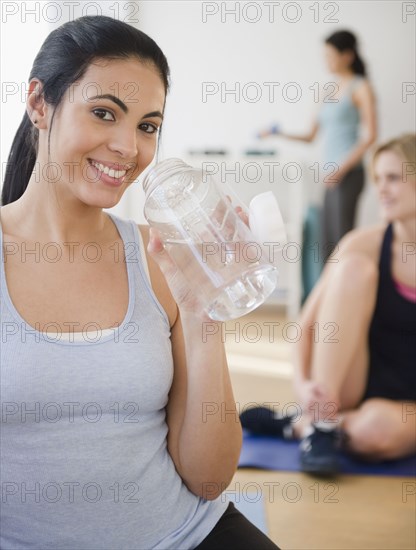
{"points": [[264, 421], [319, 452]]}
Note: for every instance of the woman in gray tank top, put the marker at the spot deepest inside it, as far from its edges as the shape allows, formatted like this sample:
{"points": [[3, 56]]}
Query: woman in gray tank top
{"points": [[347, 123], [125, 440]]}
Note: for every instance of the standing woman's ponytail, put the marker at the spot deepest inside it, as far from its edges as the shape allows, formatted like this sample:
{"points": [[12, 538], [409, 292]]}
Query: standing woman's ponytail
{"points": [[21, 161], [62, 60], [346, 40], [358, 66]]}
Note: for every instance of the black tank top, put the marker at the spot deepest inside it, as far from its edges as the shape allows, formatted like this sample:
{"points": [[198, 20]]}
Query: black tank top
{"points": [[392, 337]]}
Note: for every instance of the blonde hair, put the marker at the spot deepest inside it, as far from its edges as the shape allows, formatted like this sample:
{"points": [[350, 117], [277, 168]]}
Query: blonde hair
{"points": [[404, 146]]}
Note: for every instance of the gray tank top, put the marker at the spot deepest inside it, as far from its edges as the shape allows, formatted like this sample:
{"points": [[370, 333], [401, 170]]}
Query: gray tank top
{"points": [[84, 460], [340, 123]]}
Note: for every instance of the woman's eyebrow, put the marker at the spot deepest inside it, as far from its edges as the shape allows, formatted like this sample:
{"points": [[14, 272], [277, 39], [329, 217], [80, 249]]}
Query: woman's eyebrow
{"points": [[113, 98], [154, 113], [123, 106]]}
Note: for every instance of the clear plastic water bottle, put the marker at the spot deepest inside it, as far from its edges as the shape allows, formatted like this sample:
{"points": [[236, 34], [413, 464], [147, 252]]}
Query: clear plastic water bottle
{"points": [[209, 243]]}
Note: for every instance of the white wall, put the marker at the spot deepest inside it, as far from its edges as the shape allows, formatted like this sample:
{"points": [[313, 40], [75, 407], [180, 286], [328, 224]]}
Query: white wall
{"points": [[242, 52], [206, 44], [286, 48]]}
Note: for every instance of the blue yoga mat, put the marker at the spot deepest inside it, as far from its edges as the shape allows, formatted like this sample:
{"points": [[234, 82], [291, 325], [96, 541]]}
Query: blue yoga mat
{"points": [[271, 453]]}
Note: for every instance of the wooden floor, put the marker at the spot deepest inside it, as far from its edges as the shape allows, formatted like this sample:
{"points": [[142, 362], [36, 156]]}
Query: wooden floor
{"points": [[354, 513], [303, 512]]}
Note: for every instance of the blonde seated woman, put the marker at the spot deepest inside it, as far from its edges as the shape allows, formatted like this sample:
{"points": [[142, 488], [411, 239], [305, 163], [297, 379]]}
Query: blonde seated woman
{"points": [[357, 388]]}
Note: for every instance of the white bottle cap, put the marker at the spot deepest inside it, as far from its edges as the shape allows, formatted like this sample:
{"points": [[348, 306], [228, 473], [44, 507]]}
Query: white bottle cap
{"points": [[265, 220]]}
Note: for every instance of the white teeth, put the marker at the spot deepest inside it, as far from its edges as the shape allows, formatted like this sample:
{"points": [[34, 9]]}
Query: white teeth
{"points": [[109, 171]]}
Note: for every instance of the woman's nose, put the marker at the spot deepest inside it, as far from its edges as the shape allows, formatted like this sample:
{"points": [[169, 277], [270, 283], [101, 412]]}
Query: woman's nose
{"points": [[382, 186], [124, 142]]}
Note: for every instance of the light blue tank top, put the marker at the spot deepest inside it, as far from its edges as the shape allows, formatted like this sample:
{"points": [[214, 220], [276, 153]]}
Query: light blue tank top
{"points": [[340, 122], [84, 460]]}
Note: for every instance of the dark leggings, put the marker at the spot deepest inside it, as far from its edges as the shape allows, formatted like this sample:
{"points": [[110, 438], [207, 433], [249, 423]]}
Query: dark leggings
{"points": [[234, 532], [340, 205]]}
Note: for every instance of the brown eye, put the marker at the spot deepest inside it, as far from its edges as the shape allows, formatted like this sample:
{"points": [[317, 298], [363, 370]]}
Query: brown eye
{"points": [[148, 128], [102, 114]]}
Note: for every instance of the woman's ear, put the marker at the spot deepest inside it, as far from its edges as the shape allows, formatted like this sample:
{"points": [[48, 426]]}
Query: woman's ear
{"points": [[36, 106]]}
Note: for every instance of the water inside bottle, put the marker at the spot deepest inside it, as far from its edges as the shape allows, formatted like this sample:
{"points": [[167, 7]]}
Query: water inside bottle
{"points": [[244, 295], [228, 289]]}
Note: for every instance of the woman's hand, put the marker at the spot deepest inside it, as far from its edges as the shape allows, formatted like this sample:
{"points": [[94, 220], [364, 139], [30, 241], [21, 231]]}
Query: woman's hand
{"points": [[186, 299], [334, 179], [316, 401], [243, 216], [178, 285], [273, 131]]}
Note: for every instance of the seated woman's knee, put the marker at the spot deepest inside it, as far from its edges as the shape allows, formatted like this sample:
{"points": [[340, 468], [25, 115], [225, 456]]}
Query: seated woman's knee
{"points": [[371, 433]]}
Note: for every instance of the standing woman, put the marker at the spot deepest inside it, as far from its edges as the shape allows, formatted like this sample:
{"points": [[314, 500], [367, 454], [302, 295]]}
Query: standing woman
{"points": [[104, 375], [347, 121]]}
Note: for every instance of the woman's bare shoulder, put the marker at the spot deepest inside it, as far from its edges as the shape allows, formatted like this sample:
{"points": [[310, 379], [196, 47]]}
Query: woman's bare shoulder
{"points": [[364, 240]]}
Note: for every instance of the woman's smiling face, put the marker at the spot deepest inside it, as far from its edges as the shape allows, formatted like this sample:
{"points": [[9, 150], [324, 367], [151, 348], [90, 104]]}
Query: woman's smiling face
{"points": [[396, 186], [105, 131]]}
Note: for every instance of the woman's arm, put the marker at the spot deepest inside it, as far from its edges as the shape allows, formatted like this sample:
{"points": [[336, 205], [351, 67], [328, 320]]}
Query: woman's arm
{"points": [[306, 138], [205, 434]]}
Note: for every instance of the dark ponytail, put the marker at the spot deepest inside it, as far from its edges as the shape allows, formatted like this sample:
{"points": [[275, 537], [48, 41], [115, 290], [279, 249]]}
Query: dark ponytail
{"points": [[346, 40], [62, 60], [358, 66], [21, 161]]}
